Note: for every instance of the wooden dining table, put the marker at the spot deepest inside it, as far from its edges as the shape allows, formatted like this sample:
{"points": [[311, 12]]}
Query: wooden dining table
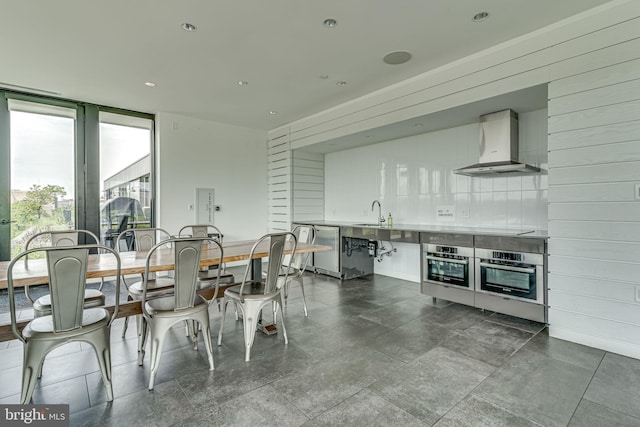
{"points": [[134, 262]]}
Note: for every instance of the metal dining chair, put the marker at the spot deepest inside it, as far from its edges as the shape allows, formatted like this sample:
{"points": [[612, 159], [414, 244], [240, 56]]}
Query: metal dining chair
{"points": [[143, 239], [208, 275], [298, 262], [69, 320], [250, 297], [161, 313], [60, 238]]}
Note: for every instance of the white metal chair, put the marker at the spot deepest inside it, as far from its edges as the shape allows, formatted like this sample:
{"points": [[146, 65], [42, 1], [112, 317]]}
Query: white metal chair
{"points": [[42, 305], [143, 239], [208, 275], [298, 262], [69, 319], [161, 313], [251, 297]]}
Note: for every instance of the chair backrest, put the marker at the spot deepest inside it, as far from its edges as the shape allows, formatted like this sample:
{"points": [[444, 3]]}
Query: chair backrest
{"points": [[67, 271], [304, 234], [140, 239], [187, 252], [201, 230], [276, 244], [61, 238]]}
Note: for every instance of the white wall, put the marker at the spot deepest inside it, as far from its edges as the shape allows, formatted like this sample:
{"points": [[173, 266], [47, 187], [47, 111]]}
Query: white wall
{"points": [[198, 153], [594, 207], [412, 177]]}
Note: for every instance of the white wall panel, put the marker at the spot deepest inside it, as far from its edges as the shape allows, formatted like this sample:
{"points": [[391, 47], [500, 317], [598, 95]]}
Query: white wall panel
{"points": [[606, 134], [598, 78], [592, 154], [601, 173], [622, 92], [597, 307], [595, 287], [597, 211], [596, 230], [595, 249], [616, 113], [601, 192]]}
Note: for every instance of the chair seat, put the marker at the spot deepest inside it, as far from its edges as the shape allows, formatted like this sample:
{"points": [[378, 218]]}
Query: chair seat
{"points": [[159, 286], [42, 327], [92, 298], [165, 306], [253, 291]]}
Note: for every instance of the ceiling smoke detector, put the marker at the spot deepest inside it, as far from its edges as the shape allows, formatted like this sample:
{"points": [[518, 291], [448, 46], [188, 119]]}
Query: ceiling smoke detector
{"points": [[396, 58]]}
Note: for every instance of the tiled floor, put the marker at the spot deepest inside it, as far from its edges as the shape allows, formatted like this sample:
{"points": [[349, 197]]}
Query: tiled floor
{"points": [[371, 352]]}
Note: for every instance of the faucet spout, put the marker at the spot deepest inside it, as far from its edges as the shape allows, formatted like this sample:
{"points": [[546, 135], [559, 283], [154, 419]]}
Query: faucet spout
{"points": [[380, 217]]}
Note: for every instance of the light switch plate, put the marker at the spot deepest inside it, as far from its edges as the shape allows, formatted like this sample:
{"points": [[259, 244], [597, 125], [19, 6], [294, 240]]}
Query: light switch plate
{"points": [[637, 293], [637, 193]]}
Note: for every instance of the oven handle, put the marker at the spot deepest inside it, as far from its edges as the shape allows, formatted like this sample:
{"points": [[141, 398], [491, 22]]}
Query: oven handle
{"points": [[453, 261], [508, 268]]}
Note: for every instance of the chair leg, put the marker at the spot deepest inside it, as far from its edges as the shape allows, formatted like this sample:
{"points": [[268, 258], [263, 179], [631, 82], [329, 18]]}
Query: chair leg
{"points": [[33, 357], [142, 337], [157, 331], [202, 319], [224, 311], [304, 301], [250, 313], [284, 329], [100, 340], [126, 320]]}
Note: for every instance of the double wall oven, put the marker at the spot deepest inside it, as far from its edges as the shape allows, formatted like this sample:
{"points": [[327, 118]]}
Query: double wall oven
{"points": [[498, 273]]}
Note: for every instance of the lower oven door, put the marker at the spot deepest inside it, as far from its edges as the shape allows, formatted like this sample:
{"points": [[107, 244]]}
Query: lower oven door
{"points": [[448, 271], [523, 281]]}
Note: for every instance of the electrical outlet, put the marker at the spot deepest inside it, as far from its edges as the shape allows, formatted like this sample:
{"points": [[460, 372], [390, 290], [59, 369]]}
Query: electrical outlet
{"points": [[637, 193], [637, 293]]}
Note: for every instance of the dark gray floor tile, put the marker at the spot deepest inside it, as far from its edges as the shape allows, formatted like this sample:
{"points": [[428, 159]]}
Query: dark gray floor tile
{"points": [[516, 322], [126, 379], [474, 411], [565, 351], [592, 414], [72, 392], [487, 341], [67, 366], [10, 357], [431, 385], [537, 387], [261, 407], [11, 380], [409, 341], [326, 383], [616, 384], [365, 409], [457, 316]]}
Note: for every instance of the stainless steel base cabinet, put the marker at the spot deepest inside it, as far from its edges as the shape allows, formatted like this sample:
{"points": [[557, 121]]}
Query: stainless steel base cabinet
{"points": [[328, 262]]}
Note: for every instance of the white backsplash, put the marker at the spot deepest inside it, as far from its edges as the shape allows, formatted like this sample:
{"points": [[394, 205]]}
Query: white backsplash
{"points": [[412, 177]]}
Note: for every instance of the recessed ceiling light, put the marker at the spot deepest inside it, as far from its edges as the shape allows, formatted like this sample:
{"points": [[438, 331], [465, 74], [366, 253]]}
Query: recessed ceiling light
{"points": [[330, 23], [341, 83], [395, 58], [150, 84], [189, 27], [273, 113], [478, 17], [243, 83]]}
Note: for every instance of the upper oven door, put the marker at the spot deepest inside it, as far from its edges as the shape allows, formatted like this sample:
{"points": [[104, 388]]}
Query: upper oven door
{"points": [[448, 269], [523, 281]]}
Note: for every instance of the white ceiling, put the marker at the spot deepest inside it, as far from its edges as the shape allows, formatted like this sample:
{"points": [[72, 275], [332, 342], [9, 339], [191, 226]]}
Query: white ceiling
{"points": [[104, 51]]}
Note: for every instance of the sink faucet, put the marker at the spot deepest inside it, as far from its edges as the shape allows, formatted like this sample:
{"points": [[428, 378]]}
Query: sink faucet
{"points": [[380, 217]]}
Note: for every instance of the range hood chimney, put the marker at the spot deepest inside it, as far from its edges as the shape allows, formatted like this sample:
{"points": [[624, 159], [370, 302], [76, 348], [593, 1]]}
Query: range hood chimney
{"points": [[498, 147]]}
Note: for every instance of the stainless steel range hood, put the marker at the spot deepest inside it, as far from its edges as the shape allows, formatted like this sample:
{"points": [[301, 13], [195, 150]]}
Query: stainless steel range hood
{"points": [[498, 147]]}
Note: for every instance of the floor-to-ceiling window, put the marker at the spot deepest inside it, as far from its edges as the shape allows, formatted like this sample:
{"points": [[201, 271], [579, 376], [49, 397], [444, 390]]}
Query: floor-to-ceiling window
{"points": [[63, 164]]}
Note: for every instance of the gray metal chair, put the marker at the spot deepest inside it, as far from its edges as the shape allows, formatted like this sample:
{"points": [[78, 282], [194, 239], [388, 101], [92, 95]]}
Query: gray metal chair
{"points": [[208, 275], [161, 313], [42, 305], [143, 239], [251, 297], [69, 320], [298, 262]]}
